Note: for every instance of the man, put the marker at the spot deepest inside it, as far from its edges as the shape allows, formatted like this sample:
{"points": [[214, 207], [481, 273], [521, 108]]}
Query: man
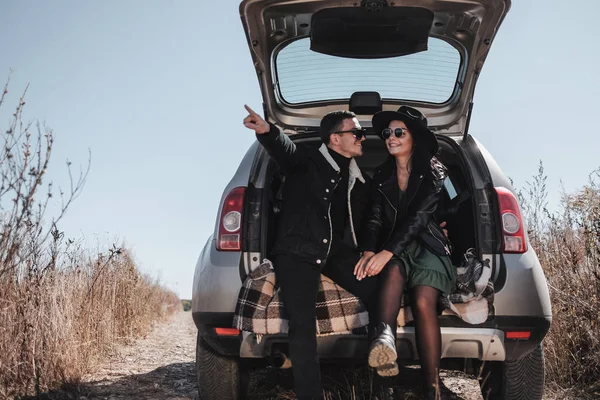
{"points": [[324, 199]]}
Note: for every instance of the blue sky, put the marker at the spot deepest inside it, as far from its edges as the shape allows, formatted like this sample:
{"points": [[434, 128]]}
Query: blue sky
{"points": [[156, 92]]}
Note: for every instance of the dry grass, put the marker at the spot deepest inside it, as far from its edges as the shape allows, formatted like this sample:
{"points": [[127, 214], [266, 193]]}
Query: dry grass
{"points": [[567, 243], [61, 306], [57, 323]]}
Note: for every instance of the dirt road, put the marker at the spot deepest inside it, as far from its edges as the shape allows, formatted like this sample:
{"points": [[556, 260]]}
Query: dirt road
{"points": [[161, 366]]}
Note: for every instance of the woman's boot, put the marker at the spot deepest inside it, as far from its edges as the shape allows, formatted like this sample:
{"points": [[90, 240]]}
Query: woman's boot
{"points": [[382, 353]]}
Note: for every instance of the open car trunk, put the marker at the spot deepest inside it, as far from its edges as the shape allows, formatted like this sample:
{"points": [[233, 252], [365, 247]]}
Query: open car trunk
{"points": [[310, 56]]}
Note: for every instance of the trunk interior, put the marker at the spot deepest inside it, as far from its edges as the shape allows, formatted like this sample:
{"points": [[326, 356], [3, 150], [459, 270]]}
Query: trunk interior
{"points": [[456, 206]]}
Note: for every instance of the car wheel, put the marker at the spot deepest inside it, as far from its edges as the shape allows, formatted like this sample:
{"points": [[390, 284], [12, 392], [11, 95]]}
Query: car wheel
{"points": [[515, 379], [219, 377]]}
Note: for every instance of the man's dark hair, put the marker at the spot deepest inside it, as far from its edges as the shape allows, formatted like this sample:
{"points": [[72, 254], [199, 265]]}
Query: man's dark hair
{"points": [[332, 122]]}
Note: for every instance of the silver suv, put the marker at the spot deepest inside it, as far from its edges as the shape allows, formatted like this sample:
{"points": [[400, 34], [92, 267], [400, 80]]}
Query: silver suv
{"points": [[312, 57]]}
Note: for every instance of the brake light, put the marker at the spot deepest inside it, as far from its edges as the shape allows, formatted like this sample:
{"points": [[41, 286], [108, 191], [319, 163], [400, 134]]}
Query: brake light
{"points": [[513, 232], [518, 335], [227, 331], [230, 221]]}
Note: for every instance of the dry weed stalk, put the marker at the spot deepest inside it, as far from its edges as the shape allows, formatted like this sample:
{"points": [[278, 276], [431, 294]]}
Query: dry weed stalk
{"points": [[61, 306], [567, 243]]}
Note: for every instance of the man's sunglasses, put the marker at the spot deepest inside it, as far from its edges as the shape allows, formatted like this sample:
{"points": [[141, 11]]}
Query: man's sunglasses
{"points": [[398, 132], [358, 133]]}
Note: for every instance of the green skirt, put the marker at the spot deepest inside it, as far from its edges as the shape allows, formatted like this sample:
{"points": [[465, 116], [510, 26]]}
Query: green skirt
{"points": [[425, 268]]}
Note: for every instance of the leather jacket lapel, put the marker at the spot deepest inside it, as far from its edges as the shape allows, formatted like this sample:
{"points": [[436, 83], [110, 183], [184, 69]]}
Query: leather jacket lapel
{"points": [[414, 183], [390, 188]]}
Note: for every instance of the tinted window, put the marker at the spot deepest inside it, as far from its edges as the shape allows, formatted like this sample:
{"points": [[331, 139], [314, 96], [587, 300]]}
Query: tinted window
{"points": [[428, 76]]}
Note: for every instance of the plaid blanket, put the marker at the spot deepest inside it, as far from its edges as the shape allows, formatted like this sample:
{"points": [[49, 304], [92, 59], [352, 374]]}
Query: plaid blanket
{"points": [[260, 310], [473, 298]]}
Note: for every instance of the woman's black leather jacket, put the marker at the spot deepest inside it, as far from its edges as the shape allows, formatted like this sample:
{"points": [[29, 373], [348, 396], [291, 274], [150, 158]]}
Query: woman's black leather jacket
{"points": [[385, 231]]}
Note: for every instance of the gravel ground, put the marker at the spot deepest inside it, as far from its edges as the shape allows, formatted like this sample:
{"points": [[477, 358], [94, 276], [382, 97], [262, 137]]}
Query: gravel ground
{"points": [[162, 366]]}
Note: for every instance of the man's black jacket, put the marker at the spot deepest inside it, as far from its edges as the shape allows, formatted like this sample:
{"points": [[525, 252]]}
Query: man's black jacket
{"points": [[304, 228]]}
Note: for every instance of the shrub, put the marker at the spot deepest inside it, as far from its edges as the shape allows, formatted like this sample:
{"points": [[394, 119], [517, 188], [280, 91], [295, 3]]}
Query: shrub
{"points": [[61, 306]]}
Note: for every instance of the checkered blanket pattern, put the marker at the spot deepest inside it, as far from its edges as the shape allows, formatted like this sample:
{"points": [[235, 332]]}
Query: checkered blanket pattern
{"points": [[259, 308]]}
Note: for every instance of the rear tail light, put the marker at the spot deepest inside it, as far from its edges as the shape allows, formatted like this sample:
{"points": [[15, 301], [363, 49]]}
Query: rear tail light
{"points": [[230, 221], [513, 232], [518, 335], [227, 331]]}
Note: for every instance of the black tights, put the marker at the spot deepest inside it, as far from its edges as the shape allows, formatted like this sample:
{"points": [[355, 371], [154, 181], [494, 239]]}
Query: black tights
{"points": [[392, 281], [424, 307]]}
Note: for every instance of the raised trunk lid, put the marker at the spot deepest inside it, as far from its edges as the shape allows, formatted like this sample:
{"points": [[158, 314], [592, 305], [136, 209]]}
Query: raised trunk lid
{"points": [[440, 81]]}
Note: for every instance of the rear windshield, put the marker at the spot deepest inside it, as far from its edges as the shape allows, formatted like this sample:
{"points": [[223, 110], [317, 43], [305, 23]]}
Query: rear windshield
{"points": [[305, 76]]}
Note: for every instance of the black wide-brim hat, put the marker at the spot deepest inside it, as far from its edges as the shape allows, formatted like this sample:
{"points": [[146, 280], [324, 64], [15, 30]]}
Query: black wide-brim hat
{"points": [[416, 123]]}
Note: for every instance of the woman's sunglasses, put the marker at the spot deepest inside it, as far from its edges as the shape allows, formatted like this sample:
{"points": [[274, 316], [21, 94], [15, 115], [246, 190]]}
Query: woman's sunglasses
{"points": [[398, 132], [358, 133]]}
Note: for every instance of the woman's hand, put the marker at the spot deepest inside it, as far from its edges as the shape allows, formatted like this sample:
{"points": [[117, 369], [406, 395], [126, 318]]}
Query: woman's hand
{"points": [[362, 262], [374, 265]]}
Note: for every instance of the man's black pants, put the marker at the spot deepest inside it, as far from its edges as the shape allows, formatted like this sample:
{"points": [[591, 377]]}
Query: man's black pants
{"points": [[299, 282]]}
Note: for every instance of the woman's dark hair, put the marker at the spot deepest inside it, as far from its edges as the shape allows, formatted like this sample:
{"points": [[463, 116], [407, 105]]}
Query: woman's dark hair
{"points": [[422, 159]]}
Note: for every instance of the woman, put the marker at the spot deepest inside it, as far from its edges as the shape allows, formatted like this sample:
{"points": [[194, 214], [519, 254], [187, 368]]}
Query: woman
{"points": [[404, 243]]}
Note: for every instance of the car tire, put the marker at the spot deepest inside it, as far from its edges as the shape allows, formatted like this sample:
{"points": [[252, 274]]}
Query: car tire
{"points": [[514, 379], [219, 377]]}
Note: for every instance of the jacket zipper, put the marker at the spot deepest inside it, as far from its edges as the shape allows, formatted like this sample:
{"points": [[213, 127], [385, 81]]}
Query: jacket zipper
{"points": [[436, 238], [329, 220]]}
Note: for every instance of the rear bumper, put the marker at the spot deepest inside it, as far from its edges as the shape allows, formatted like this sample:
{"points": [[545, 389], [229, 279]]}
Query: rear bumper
{"points": [[206, 321], [478, 343], [459, 340]]}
